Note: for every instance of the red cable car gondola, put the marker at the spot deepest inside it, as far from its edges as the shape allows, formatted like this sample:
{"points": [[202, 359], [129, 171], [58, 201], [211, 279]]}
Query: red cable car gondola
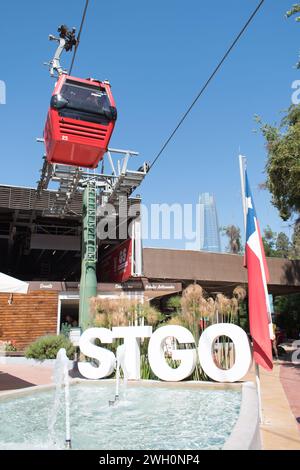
{"points": [[80, 122]]}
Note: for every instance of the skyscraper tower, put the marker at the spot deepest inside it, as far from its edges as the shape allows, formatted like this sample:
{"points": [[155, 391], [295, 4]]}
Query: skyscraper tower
{"points": [[209, 226]]}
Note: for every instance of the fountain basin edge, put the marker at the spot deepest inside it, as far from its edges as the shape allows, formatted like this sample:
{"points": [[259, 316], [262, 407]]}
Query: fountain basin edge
{"points": [[245, 434]]}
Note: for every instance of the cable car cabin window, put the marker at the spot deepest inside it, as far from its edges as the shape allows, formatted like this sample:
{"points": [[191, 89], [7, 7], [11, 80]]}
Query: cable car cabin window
{"points": [[84, 102]]}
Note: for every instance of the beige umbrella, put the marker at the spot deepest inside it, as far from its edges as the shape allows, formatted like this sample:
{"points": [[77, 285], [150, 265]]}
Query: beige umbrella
{"points": [[10, 285]]}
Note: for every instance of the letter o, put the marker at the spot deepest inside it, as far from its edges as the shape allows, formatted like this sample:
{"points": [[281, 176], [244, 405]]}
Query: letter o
{"points": [[243, 356]]}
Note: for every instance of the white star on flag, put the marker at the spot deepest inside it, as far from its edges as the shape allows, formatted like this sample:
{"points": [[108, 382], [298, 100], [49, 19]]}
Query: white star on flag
{"points": [[249, 203]]}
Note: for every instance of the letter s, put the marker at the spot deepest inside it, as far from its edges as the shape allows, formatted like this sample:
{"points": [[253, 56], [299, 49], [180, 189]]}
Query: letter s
{"points": [[105, 358]]}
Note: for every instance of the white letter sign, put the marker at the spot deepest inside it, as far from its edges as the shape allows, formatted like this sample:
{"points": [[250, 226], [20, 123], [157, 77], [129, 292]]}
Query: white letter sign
{"points": [[132, 357], [106, 358], [156, 354], [243, 357]]}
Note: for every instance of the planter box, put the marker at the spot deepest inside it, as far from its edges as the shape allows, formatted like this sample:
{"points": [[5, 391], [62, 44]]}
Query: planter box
{"points": [[9, 360], [12, 353]]}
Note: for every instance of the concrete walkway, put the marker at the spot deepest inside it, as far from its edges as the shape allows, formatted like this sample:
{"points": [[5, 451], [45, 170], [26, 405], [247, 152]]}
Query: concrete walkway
{"points": [[279, 429], [290, 379], [21, 376]]}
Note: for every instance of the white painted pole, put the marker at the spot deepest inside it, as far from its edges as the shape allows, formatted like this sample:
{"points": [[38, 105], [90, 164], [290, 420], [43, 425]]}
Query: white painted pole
{"points": [[67, 405], [243, 163], [117, 379], [257, 379]]}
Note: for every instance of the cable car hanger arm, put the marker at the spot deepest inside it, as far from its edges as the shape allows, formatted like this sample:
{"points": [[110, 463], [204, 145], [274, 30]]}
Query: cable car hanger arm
{"points": [[66, 42], [54, 64]]}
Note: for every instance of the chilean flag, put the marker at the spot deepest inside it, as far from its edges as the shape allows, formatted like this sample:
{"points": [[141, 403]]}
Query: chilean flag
{"points": [[258, 276]]}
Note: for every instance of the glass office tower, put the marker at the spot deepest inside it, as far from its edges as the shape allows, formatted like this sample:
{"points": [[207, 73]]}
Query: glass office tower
{"points": [[209, 226]]}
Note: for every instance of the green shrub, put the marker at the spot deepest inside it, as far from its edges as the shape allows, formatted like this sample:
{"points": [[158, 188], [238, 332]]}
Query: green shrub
{"points": [[65, 330], [47, 347]]}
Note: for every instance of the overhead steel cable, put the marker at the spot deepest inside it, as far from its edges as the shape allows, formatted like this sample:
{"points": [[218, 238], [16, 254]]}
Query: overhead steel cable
{"points": [[208, 81], [79, 34]]}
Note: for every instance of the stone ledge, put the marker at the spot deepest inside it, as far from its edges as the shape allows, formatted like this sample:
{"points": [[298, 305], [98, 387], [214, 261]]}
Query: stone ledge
{"points": [[246, 432]]}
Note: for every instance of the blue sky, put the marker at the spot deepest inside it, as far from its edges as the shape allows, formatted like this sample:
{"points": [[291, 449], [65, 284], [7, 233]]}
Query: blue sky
{"points": [[157, 55]]}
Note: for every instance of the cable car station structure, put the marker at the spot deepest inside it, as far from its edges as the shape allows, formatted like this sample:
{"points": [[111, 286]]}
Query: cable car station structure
{"points": [[41, 228]]}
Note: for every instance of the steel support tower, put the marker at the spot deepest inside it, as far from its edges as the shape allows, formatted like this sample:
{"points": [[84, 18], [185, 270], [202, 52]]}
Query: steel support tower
{"points": [[98, 189]]}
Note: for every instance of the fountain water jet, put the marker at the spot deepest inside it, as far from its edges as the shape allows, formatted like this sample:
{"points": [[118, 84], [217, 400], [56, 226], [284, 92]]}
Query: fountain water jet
{"points": [[119, 364], [61, 380]]}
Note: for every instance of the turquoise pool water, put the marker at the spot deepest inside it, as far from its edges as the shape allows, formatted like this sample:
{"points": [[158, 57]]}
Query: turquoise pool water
{"points": [[162, 418]]}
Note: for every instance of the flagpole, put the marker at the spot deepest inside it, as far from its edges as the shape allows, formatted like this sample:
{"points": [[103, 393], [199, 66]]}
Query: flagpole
{"points": [[243, 163], [257, 379]]}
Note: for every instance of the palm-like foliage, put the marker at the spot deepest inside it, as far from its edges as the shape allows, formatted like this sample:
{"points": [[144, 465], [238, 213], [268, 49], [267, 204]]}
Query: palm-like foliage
{"points": [[239, 293], [234, 239], [123, 312], [196, 311]]}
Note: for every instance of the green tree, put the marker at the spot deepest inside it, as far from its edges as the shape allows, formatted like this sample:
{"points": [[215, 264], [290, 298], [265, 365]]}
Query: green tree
{"points": [[283, 162], [276, 245], [288, 309], [269, 241], [283, 147], [233, 233], [283, 245], [292, 12], [295, 249]]}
